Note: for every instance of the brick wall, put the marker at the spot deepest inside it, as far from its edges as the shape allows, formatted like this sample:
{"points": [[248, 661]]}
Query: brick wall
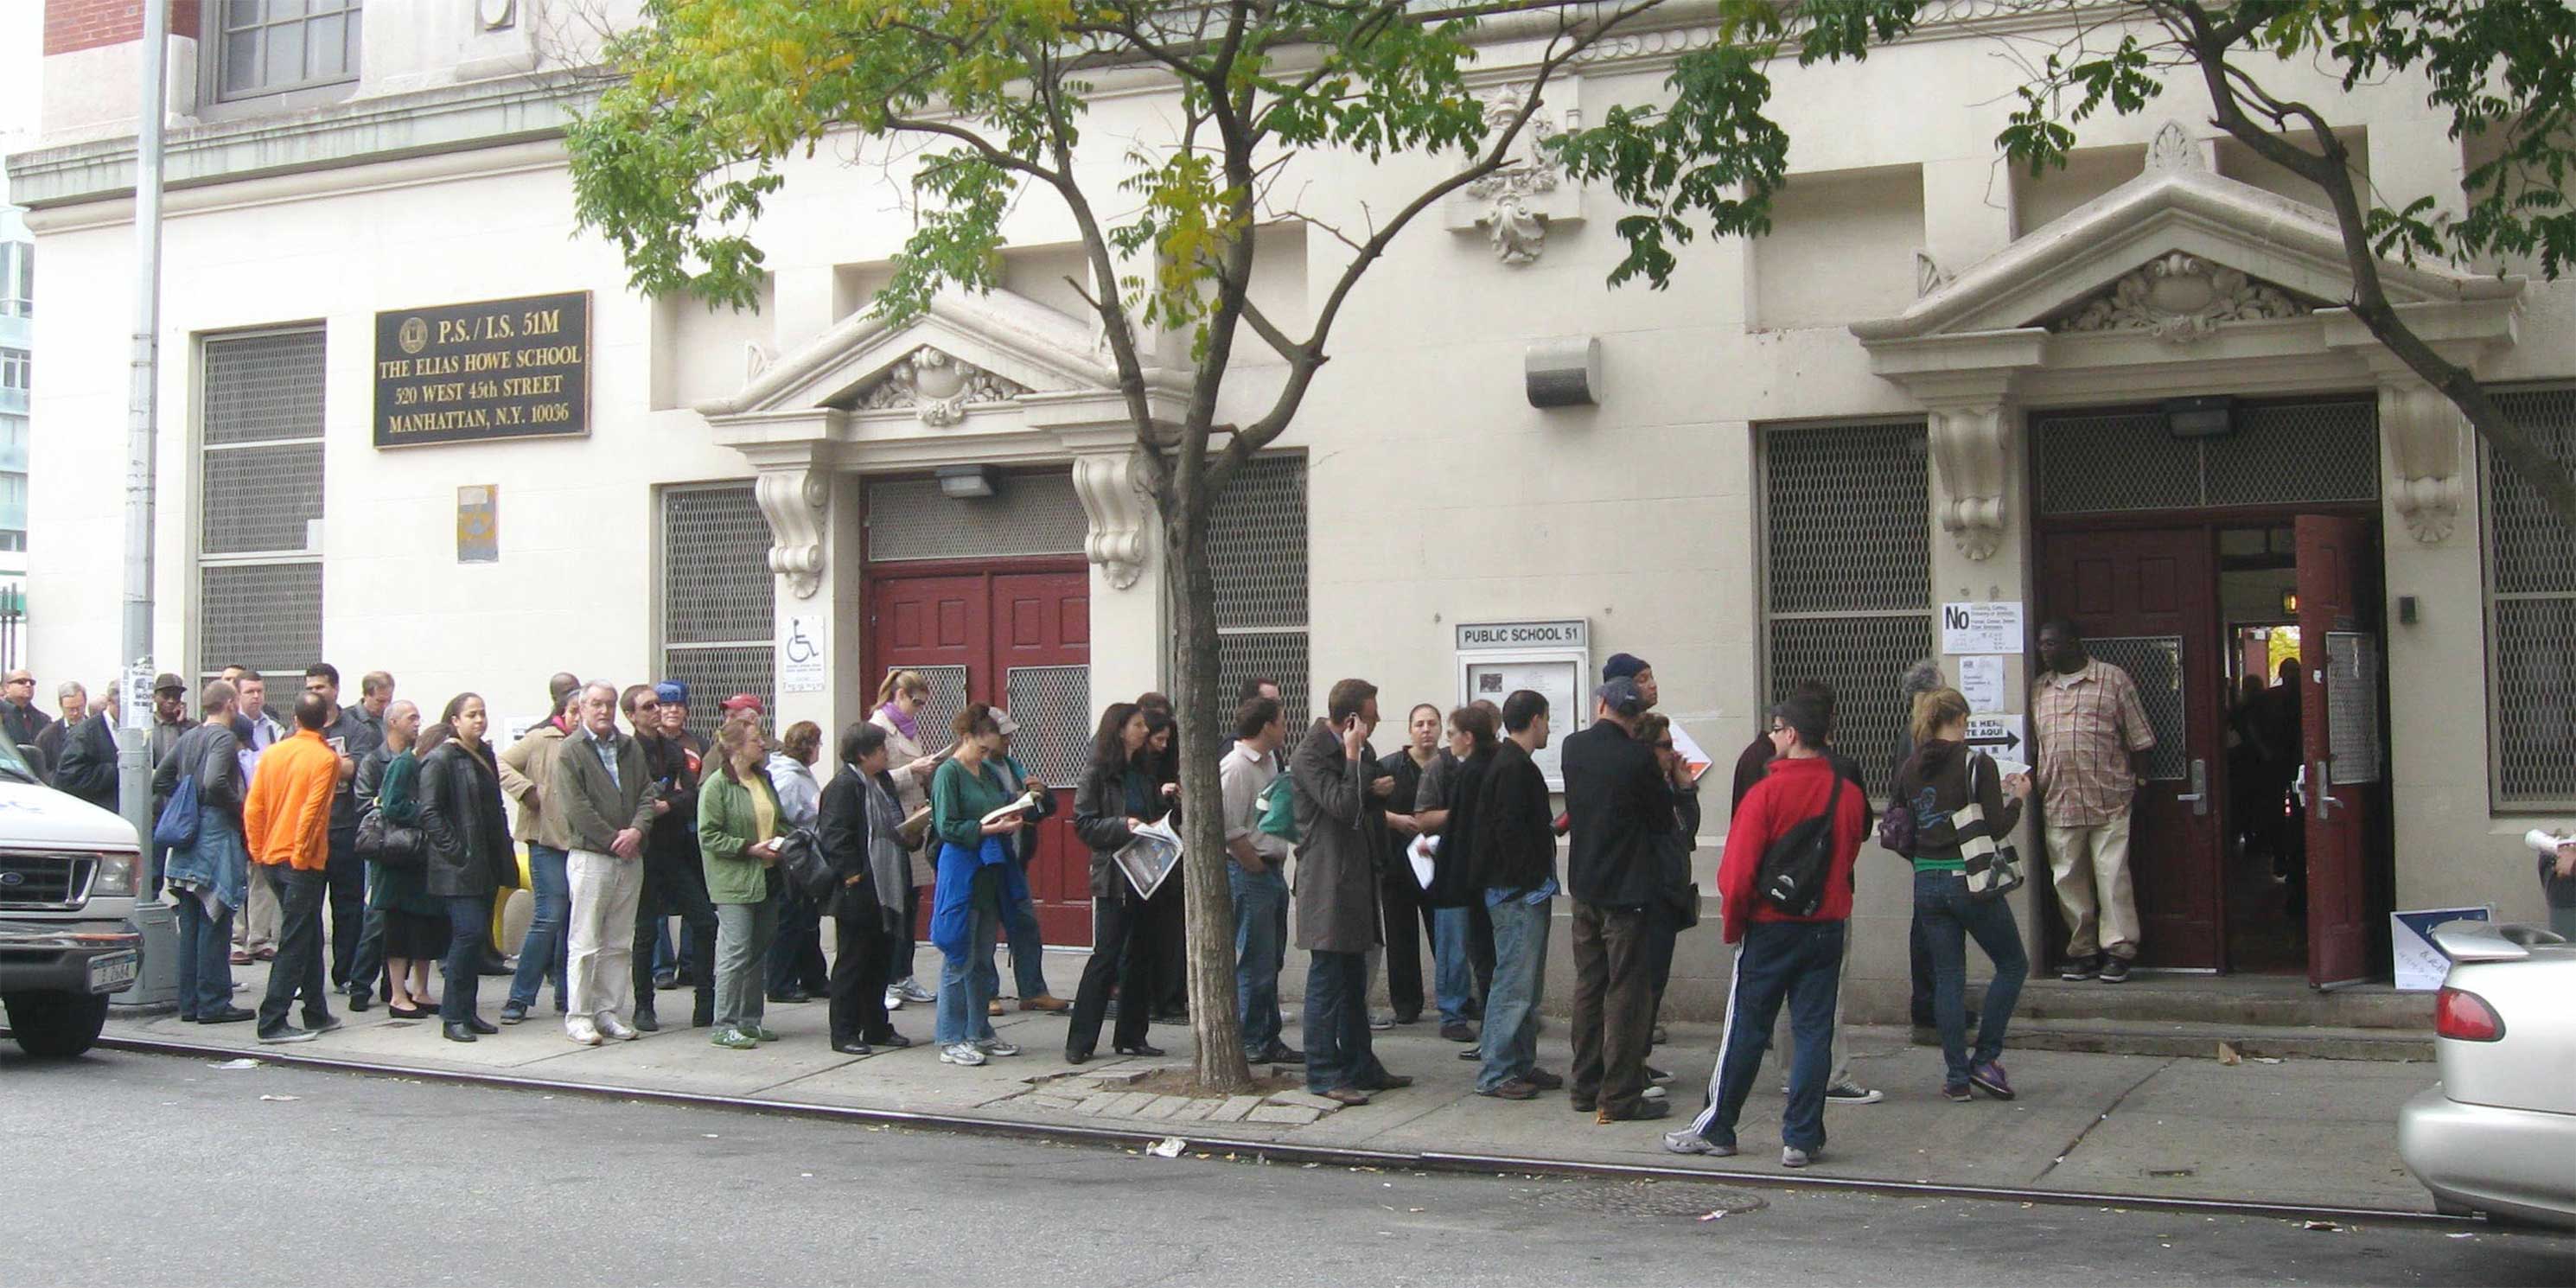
{"points": [[86, 24]]}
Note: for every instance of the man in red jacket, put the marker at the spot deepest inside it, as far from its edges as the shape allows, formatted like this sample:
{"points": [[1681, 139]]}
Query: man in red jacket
{"points": [[1777, 955]]}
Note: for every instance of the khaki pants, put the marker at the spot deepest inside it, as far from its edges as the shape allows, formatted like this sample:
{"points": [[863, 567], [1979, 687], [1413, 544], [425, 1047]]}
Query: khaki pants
{"points": [[2091, 866], [601, 935], [256, 928]]}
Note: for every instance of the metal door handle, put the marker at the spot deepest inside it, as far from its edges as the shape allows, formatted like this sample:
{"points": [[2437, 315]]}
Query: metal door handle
{"points": [[2327, 803], [2198, 796]]}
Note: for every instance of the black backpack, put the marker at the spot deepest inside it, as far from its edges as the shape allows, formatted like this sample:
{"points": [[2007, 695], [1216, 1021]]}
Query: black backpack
{"points": [[1794, 870]]}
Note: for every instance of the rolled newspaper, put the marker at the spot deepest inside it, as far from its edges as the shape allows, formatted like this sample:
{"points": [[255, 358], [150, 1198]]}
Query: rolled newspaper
{"points": [[2545, 842]]}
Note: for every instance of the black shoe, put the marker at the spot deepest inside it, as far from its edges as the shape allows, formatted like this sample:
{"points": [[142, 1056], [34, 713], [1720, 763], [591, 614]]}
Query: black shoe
{"points": [[1471, 1055], [1141, 1049], [647, 1022], [1458, 1031], [1584, 1104], [228, 1015], [1543, 1080], [2115, 970], [791, 996], [2077, 968], [409, 1012], [1641, 1111], [513, 1013], [458, 1032], [481, 1025], [1386, 1082], [321, 1023], [1077, 1057], [665, 981], [1658, 1077], [891, 1039], [361, 998], [187, 1019], [1281, 1053], [1171, 1015], [853, 1047], [494, 964], [702, 1019], [1408, 1017]]}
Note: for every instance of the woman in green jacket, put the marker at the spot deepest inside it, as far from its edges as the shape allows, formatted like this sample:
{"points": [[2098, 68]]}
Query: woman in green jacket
{"points": [[738, 826], [977, 879]]}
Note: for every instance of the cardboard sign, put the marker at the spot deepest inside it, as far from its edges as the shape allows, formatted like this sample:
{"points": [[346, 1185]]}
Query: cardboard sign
{"points": [[2420, 965], [2000, 736]]}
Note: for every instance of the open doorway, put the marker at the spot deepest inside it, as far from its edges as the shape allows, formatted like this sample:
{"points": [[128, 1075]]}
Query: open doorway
{"points": [[2264, 828]]}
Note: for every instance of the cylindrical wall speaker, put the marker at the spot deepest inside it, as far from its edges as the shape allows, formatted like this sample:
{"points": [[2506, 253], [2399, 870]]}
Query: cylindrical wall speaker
{"points": [[1564, 371]]}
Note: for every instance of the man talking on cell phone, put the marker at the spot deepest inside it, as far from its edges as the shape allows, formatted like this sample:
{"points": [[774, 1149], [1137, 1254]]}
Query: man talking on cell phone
{"points": [[350, 738]]}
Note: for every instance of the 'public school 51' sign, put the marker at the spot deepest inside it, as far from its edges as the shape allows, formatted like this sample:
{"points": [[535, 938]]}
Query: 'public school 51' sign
{"points": [[494, 369]]}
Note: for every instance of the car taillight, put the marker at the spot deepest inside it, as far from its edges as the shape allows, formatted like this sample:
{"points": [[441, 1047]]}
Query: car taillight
{"points": [[2465, 1016]]}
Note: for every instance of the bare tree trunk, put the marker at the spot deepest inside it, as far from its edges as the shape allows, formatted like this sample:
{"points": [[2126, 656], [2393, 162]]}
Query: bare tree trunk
{"points": [[1200, 706]]}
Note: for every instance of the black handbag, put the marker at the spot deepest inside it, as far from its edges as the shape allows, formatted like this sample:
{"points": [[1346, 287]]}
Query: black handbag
{"points": [[395, 847], [800, 858]]}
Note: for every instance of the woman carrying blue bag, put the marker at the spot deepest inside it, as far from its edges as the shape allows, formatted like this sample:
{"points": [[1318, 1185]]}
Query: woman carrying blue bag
{"points": [[977, 879]]}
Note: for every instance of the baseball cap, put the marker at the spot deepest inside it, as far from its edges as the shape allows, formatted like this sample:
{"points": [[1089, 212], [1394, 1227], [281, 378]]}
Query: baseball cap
{"points": [[742, 702], [1002, 720], [1622, 697], [166, 682], [672, 691]]}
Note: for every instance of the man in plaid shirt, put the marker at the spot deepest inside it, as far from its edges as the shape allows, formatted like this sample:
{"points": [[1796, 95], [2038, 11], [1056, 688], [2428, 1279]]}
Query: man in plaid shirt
{"points": [[2093, 738]]}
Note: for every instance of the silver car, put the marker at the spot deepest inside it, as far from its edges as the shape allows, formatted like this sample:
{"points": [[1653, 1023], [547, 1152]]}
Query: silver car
{"points": [[2498, 1135]]}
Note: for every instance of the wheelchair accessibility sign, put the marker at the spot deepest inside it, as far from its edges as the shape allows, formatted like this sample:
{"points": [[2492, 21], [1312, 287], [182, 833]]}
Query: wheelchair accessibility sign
{"points": [[800, 657]]}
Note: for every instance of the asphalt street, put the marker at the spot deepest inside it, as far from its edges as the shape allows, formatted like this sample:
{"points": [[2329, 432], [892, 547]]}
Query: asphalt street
{"points": [[142, 1170]]}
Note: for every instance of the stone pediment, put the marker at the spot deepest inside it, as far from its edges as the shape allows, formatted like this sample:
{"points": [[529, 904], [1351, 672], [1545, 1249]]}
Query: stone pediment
{"points": [[966, 351], [2178, 252]]}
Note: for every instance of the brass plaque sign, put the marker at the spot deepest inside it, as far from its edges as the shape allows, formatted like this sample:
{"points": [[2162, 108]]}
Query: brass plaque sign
{"points": [[458, 373]]}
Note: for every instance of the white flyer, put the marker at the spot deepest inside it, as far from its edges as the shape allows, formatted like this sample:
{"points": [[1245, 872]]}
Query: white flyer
{"points": [[1982, 626], [1981, 682]]}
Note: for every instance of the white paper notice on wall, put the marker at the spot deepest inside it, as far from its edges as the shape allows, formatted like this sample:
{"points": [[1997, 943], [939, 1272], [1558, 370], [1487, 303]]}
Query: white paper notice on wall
{"points": [[800, 657], [1981, 682], [1982, 626]]}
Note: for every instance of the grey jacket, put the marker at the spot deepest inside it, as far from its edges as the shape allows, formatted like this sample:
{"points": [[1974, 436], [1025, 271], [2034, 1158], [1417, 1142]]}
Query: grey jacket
{"points": [[205, 752], [585, 808], [1341, 830]]}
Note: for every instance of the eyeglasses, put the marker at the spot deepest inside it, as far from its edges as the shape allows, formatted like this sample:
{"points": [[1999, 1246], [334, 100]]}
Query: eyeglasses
{"points": [[1780, 728], [1663, 746]]}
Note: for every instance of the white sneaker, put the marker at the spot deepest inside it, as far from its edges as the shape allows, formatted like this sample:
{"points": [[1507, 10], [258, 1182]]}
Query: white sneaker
{"points": [[613, 1027], [581, 1030], [894, 999], [966, 1053], [997, 1047], [914, 990], [1653, 1093]]}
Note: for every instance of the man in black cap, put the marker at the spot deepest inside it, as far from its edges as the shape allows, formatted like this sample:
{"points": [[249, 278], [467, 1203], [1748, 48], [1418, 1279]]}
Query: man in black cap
{"points": [[169, 720], [1636, 670], [1620, 803]]}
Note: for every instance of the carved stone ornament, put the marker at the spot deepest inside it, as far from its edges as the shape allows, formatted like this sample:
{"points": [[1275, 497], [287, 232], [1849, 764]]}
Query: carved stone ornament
{"points": [[1113, 499], [1512, 203], [793, 500], [938, 387], [2173, 149], [1970, 450], [2181, 299], [1929, 276], [2424, 431]]}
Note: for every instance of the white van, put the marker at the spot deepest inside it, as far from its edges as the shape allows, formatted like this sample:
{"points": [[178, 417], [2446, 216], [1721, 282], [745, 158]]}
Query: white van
{"points": [[67, 885]]}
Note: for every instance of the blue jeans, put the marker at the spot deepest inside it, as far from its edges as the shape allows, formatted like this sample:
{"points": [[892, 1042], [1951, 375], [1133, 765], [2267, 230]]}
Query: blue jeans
{"points": [[1510, 1047], [1950, 917], [205, 958], [1028, 953], [1802, 962], [469, 924], [1260, 946], [962, 992], [1338, 1053], [544, 954], [1452, 981]]}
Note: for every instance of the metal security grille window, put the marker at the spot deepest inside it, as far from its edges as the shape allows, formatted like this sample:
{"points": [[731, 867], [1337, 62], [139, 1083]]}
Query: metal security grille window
{"points": [[718, 614], [1053, 706], [2278, 454], [2531, 617], [272, 46], [1257, 551], [259, 503], [1847, 579], [1030, 514]]}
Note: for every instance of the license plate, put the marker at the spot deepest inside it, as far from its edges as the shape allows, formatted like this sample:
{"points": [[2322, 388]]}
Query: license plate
{"points": [[113, 972]]}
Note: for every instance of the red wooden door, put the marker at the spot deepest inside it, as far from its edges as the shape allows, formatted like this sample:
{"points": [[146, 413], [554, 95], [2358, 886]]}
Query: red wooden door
{"points": [[2146, 602], [2339, 679], [1016, 634]]}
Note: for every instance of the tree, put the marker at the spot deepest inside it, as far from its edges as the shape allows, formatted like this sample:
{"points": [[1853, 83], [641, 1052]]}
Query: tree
{"points": [[2504, 71], [677, 159]]}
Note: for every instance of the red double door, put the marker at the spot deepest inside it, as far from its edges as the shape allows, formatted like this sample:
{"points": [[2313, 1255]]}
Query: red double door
{"points": [[979, 633]]}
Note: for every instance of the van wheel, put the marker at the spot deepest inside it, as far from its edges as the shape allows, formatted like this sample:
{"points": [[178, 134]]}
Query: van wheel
{"points": [[56, 1026]]}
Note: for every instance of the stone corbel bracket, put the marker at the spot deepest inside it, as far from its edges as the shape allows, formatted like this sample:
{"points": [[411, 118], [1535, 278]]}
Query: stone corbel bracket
{"points": [[1972, 451], [2425, 434], [1113, 499], [795, 498]]}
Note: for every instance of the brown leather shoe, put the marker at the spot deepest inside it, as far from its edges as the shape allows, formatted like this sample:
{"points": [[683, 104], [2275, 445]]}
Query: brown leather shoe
{"points": [[1045, 1002], [993, 1007], [1346, 1095], [1512, 1089]]}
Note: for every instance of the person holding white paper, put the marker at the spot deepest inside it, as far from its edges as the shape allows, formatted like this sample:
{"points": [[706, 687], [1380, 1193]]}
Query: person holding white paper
{"points": [[1118, 795], [1256, 871]]}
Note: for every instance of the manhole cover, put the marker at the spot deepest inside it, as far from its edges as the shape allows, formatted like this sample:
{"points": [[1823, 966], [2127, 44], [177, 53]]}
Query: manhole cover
{"points": [[1651, 1198]]}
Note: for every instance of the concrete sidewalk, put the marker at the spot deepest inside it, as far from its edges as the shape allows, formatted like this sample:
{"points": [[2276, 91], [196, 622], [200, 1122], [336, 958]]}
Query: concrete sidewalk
{"points": [[2300, 1132]]}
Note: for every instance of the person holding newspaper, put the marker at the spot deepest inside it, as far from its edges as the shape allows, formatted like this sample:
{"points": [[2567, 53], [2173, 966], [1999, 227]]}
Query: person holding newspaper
{"points": [[1118, 795]]}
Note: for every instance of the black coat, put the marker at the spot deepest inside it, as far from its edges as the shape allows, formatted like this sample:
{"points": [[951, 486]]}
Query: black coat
{"points": [[1453, 880], [88, 770], [674, 838], [462, 819], [1622, 807], [1514, 838], [23, 725], [841, 825], [1100, 813]]}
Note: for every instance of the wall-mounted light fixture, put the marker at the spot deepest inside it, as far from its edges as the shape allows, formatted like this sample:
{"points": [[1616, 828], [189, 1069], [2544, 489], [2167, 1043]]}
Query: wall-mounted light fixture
{"points": [[964, 481], [1563, 372], [2207, 416], [2289, 603]]}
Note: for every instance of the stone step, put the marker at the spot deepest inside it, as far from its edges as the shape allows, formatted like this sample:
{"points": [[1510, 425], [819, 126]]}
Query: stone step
{"points": [[2239, 1001], [2200, 1039]]}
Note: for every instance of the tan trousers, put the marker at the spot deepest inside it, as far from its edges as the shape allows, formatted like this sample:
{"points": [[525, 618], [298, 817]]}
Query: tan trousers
{"points": [[600, 956], [256, 928], [2091, 866]]}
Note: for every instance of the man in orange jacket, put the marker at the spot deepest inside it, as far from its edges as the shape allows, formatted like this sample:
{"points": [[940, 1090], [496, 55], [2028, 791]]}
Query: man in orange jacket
{"points": [[287, 822]]}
